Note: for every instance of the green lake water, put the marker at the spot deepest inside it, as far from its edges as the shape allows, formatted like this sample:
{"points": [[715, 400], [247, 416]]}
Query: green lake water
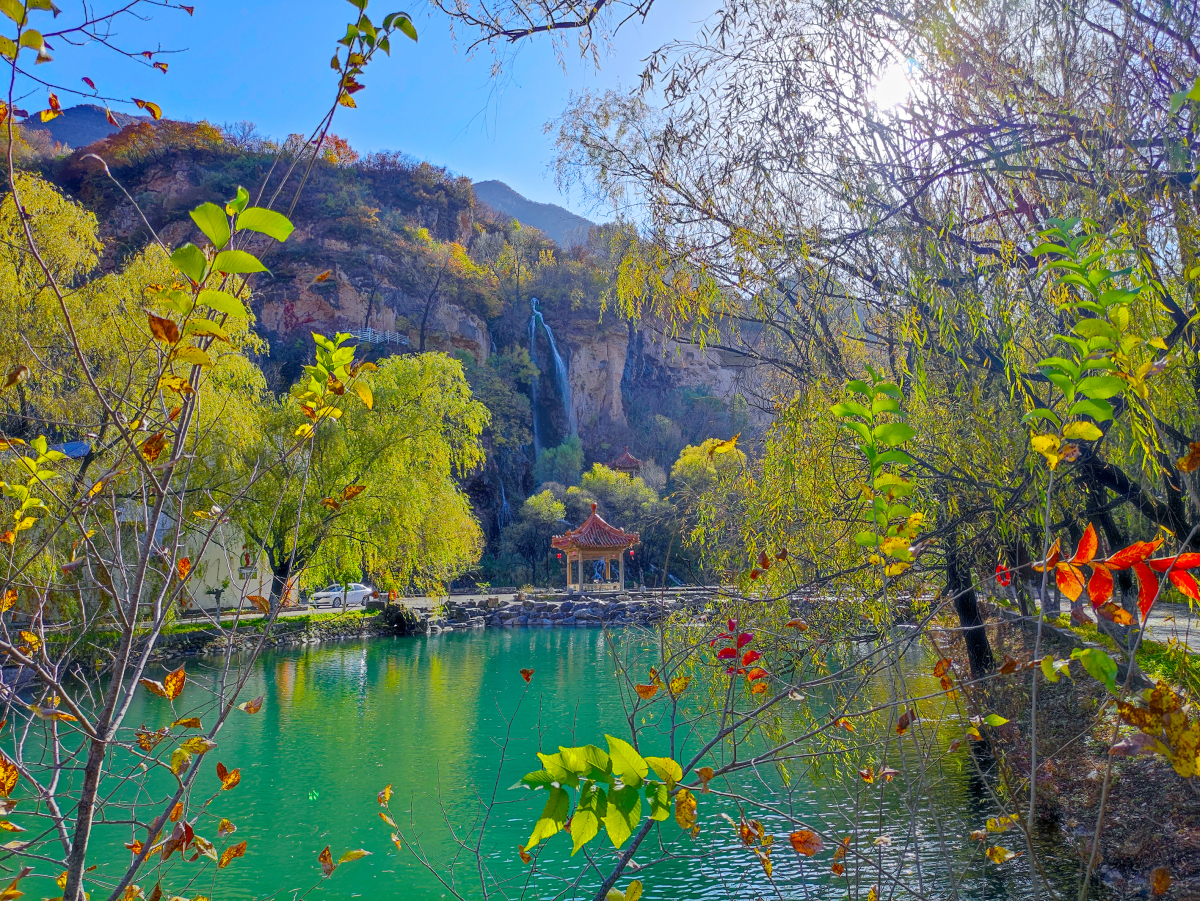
{"points": [[427, 715]]}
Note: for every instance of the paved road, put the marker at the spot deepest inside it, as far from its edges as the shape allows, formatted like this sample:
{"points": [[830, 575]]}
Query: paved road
{"points": [[1174, 621]]}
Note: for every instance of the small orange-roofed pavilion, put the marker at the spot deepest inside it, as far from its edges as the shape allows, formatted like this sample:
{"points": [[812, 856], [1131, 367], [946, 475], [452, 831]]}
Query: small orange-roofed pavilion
{"points": [[626, 463], [595, 540]]}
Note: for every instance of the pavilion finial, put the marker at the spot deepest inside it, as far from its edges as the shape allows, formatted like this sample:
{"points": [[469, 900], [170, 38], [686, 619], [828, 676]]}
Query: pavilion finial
{"points": [[593, 506]]}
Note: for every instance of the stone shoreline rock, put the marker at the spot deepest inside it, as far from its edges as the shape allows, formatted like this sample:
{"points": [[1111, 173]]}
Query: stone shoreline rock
{"points": [[572, 612], [583, 611]]}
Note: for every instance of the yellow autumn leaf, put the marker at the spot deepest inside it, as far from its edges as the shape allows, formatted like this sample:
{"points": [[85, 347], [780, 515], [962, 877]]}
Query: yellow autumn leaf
{"points": [[1082, 431], [997, 854], [1047, 446]]}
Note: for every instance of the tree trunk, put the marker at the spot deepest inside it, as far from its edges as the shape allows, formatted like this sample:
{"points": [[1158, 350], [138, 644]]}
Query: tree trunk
{"points": [[958, 581], [279, 584]]}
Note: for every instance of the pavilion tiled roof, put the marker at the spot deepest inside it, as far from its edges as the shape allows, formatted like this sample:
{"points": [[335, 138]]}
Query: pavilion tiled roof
{"points": [[594, 534], [626, 461]]}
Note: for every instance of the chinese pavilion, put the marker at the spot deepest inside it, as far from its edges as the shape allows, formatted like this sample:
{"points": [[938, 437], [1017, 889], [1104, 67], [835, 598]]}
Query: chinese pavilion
{"points": [[626, 463], [595, 540]]}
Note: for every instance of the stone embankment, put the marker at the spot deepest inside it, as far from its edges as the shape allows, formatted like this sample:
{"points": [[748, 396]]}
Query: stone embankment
{"points": [[452, 615], [574, 611]]}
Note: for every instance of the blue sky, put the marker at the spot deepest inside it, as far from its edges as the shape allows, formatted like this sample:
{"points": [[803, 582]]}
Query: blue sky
{"points": [[268, 62]]}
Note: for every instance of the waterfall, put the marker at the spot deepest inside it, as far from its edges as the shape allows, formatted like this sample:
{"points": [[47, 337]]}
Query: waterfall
{"points": [[560, 374], [504, 514]]}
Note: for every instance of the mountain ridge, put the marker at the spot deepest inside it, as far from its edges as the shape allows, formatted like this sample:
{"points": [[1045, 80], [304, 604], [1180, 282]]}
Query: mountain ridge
{"points": [[567, 229]]}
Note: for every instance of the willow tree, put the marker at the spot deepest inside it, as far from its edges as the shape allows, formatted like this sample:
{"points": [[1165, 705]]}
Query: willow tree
{"points": [[375, 492]]}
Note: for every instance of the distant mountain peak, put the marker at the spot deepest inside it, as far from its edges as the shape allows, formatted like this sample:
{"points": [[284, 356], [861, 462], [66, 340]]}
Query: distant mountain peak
{"points": [[79, 126], [566, 228]]}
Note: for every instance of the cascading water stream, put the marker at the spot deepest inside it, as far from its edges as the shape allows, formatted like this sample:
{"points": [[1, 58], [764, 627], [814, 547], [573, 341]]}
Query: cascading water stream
{"points": [[560, 375], [504, 514]]}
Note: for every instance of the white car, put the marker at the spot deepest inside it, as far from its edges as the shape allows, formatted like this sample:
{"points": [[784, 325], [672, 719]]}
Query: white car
{"points": [[353, 595]]}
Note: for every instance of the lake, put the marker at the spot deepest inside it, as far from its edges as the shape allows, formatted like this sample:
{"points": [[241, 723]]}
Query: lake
{"points": [[428, 715]]}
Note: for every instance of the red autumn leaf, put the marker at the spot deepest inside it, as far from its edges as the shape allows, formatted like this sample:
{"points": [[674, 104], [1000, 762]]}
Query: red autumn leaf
{"points": [[112, 120], [750, 657], [527, 674], [1186, 583], [1180, 561], [782, 555], [764, 562], [1088, 546], [91, 84], [732, 625], [183, 566], [1100, 586], [1135, 553], [744, 639], [757, 673], [162, 67], [726, 654], [188, 9], [1147, 587], [755, 573], [1051, 558], [806, 842], [1069, 579], [1114, 613]]}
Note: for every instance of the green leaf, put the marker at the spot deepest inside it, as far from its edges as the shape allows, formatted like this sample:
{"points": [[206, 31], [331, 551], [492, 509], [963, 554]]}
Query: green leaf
{"points": [[1091, 328], [865, 539], [1082, 431], [1099, 666], [1101, 387], [859, 429], [535, 780], [994, 719], [859, 387], [1063, 383], [626, 762], [235, 206], [557, 767], [589, 813], [624, 812], [850, 408], [14, 11], [553, 816], [588, 760], [189, 259], [659, 797], [237, 262], [8, 48], [1060, 363], [1043, 413], [265, 222], [1099, 410], [222, 302], [205, 327], [885, 405], [893, 433], [32, 39], [666, 769], [211, 220], [894, 456], [404, 23]]}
